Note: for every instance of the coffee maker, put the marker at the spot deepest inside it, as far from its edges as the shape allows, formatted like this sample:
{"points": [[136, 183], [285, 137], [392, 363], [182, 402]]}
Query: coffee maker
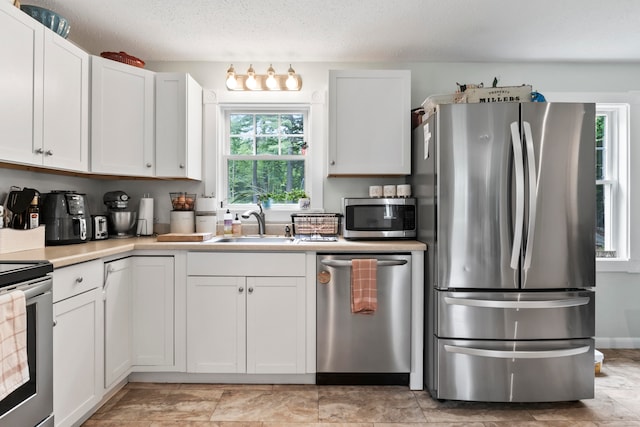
{"points": [[120, 221], [64, 214]]}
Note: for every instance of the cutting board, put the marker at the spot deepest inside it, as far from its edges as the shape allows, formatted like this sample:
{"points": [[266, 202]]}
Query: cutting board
{"points": [[184, 237]]}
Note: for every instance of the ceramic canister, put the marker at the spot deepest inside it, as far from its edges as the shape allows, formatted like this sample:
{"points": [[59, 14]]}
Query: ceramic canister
{"points": [[389, 191], [404, 190], [375, 191]]}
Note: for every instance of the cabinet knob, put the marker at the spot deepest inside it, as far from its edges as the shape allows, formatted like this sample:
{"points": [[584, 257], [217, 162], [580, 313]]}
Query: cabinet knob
{"points": [[79, 279], [48, 153], [55, 322], [181, 166], [149, 165], [39, 151], [250, 290], [240, 289], [332, 162]]}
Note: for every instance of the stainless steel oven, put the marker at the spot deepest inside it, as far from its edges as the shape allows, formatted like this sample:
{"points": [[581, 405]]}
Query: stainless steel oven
{"points": [[379, 218], [32, 403]]}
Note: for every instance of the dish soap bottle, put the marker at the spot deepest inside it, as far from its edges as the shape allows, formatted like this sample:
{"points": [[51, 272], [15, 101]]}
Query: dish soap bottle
{"points": [[228, 222], [33, 211], [236, 226]]}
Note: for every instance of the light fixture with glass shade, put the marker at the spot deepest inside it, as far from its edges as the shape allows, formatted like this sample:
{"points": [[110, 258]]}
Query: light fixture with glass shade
{"points": [[251, 78], [292, 81], [232, 83], [263, 82], [272, 83]]}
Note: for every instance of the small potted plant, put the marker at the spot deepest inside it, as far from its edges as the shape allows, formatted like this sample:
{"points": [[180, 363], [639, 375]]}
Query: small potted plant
{"points": [[265, 199], [301, 197]]}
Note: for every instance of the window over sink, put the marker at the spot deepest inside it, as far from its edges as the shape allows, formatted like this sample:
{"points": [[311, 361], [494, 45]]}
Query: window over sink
{"points": [[264, 156]]}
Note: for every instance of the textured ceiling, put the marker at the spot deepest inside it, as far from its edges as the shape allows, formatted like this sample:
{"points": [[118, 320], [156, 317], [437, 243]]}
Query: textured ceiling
{"points": [[356, 30]]}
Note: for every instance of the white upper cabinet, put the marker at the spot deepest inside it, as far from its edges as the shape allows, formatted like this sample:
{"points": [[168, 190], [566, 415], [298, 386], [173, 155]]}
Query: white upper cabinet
{"points": [[20, 84], [45, 93], [66, 105], [369, 122], [122, 118], [178, 126]]}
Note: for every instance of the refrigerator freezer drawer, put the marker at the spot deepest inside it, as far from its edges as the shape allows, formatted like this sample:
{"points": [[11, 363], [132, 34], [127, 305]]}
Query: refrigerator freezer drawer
{"points": [[516, 315], [515, 371]]}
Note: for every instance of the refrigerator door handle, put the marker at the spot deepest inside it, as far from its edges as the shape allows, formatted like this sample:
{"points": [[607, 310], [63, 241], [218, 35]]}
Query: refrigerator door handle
{"points": [[533, 194], [561, 303], [544, 354], [518, 225]]}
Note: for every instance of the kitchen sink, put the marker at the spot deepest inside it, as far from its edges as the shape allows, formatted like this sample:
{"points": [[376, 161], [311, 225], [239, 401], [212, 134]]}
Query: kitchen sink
{"points": [[254, 239]]}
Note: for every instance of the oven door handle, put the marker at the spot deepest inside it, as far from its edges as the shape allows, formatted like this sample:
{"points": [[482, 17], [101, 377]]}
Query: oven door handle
{"points": [[39, 289], [347, 263]]}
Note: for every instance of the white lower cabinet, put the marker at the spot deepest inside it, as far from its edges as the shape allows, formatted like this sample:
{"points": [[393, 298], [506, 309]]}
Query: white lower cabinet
{"points": [[216, 338], [117, 321], [153, 311], [77, 341], [246, 313], [139, 315], [275, 325]]}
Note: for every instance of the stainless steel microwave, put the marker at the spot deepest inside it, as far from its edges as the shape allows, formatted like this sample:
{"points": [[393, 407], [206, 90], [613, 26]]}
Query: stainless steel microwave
{"points": [[379, 218]]}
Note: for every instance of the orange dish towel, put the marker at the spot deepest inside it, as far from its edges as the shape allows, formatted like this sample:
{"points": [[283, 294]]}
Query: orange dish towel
{"points": [[14, 365], [364, 291]]}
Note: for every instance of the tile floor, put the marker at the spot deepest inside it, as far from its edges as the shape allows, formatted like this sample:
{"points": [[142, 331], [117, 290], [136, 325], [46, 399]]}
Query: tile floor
{"points": [[617, 403]]}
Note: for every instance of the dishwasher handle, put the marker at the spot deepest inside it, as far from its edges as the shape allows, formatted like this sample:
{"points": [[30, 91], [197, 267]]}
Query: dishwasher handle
{"points": [[347, 263]]}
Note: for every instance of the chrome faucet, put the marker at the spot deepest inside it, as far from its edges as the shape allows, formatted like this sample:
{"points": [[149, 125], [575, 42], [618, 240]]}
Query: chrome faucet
{"points": [[259, 216]]}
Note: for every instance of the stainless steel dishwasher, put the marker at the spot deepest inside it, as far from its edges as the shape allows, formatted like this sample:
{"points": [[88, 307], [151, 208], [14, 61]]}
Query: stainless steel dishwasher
{"points": [[363, 348]]}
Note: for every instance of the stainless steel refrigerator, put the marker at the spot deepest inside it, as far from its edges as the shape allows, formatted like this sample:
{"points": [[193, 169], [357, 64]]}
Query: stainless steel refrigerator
{"points": [[506, 195]]}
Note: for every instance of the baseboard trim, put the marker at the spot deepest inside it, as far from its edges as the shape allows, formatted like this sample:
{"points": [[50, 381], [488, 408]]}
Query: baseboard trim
{"points": [[617, 342]]}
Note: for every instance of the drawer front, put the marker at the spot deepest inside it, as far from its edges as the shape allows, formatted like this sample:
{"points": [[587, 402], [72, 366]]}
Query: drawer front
{"points": [[76, 279], [516, 315], [245, 264], [515, 371]]}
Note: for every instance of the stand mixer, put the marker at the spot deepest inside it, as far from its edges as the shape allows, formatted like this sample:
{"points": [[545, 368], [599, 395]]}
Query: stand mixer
{"points": [[120, 221]]}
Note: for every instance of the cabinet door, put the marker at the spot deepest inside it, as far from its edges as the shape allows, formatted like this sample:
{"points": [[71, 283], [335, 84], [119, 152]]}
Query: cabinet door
{"points": [[275, 325], [153, 311], [20, 85], [77, 356], [369, 122], [117, 323], [216, 324], [66, 105], [122, 118], [178, 126]]}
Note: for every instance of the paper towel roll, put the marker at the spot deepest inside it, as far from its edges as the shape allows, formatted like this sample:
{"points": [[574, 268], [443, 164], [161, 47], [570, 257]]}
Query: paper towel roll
{"points": [[145, 217]]}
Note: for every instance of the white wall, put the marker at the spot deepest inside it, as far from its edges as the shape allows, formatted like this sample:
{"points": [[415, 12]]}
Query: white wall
{"points": [[618, 293]]}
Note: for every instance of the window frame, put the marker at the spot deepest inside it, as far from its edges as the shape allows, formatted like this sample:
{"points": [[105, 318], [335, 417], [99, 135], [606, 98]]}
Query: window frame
{"points": [[615, 240], [280, 209]]}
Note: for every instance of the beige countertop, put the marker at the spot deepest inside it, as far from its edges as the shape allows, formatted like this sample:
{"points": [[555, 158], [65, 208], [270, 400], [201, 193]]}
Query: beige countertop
{"points": [[65, 255]]}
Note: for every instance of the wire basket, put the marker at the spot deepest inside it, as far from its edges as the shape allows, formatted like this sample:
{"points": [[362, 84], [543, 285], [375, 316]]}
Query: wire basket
{"points": [[321, 226]]}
